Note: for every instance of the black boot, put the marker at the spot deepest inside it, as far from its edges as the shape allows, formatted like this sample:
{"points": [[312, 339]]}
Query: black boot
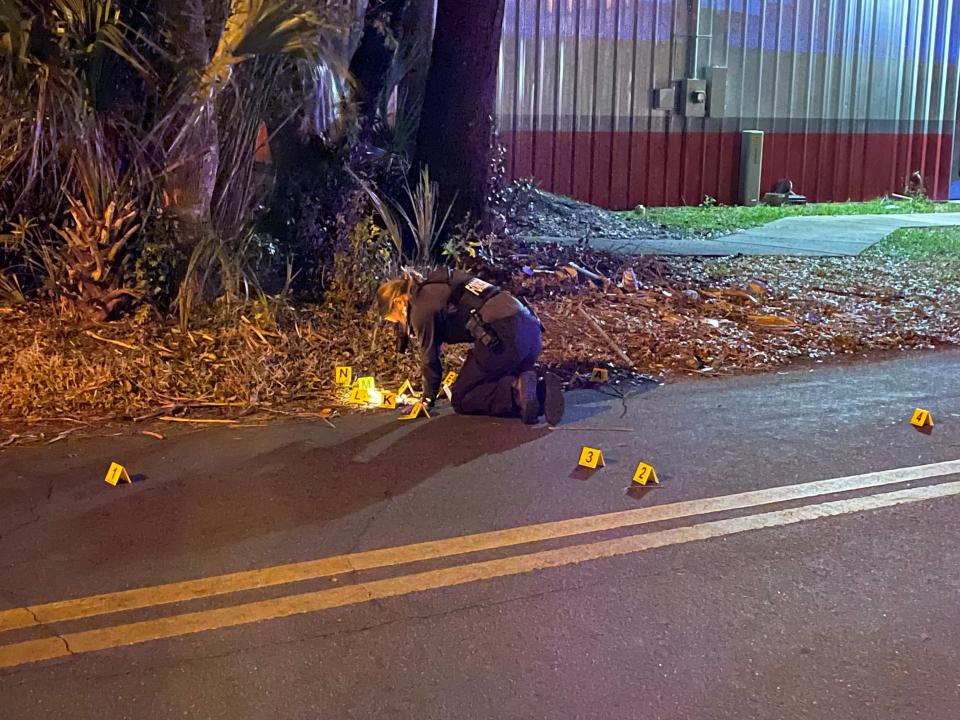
{"points": [[550, 395], [525, 395]]}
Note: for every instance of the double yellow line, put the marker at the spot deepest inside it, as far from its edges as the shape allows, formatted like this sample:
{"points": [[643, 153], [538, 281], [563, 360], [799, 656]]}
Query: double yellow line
{"points": [[84, 641]]}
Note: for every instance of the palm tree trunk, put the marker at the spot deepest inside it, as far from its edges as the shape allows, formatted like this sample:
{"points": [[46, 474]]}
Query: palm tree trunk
{"points": [[194, 161], [456, 127]]}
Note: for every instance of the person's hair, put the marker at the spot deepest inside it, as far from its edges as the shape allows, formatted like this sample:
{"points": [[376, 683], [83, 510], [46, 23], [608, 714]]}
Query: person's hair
{"points": [[389, 291]]}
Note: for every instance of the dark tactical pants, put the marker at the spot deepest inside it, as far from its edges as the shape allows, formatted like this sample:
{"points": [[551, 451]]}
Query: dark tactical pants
{"points": [[485, 383]]}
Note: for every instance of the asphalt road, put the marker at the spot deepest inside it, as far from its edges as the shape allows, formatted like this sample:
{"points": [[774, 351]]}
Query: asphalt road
{"points": [[736, 589]]}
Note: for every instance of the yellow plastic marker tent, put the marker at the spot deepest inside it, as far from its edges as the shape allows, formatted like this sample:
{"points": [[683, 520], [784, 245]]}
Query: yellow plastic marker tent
{"points": [[389, 401], [406, 388], [117, 473], [367, 383], [645, 473], [416, 411], [922, 419], [591, 458], [342, 375], [359, 395], [600, 375], [450, 379]]}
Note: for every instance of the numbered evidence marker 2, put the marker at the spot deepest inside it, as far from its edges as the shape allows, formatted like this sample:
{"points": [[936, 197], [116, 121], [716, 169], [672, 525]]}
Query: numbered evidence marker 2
{"points": [[591, 458], [117, 473], [600, 375], [645, 473], [416, 411], [921, 419], [342, 375]]}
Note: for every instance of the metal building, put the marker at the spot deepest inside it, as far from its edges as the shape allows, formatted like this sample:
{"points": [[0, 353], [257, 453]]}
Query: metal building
{"points": [[622, 102]]}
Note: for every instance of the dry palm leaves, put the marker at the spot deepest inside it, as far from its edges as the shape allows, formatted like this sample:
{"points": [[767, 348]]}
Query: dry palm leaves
{"points": [[689, 317]]}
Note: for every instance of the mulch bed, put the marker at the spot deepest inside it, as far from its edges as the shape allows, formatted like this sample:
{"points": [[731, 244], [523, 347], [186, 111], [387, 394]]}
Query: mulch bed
{"points": [[666, 317]]}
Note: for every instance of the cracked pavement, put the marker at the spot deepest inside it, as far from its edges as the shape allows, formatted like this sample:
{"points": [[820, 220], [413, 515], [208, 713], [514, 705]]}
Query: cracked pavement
{"points": [[851, 617]]}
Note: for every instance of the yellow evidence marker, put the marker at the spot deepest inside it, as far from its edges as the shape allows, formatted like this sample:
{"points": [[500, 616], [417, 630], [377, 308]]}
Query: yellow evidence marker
{"points": [[367, 383], [389, 401], [117, 473], [645, 473], [450, 379], [922, 419], [405, 389], [342, 375], [591, 458], [600, 375], [359, 395], [415, 412]]}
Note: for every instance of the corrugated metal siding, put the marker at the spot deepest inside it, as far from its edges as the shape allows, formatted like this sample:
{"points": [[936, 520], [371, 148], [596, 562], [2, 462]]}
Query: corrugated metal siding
{"points": [[854, 95]]}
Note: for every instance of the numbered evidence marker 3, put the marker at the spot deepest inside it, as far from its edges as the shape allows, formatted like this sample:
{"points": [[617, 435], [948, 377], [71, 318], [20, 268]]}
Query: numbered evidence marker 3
{"points": [[922, 419], [342, 375], [591, 458], [645, 473], [416, 411], [600, 375], [117, 473]]}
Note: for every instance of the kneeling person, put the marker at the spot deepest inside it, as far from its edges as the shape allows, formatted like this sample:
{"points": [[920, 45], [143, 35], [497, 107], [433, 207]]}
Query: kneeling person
{"points": [[452, 307]]}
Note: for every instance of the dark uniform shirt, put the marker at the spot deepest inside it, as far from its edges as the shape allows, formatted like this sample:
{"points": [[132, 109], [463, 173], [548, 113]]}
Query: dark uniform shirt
{"points": [[433, 320]]}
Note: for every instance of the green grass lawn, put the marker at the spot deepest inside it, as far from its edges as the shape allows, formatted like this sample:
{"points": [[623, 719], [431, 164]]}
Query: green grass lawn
{"points": [[920, 244], [712, 220]]}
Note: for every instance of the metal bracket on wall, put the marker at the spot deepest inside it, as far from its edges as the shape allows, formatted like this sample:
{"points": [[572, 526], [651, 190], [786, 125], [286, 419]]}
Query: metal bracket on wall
{"points": [[694, 103], [716, 91]]}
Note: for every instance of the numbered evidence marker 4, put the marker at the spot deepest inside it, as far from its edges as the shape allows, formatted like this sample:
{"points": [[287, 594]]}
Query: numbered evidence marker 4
{"points": [[591, 458], [117, 473], [921, 419], [644, 474], [416, 411]]}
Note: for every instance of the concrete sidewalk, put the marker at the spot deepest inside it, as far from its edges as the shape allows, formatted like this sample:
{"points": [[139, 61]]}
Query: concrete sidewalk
{"points": [[818, 236]]}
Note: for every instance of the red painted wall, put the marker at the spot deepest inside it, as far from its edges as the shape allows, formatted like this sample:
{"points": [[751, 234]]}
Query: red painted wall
{"points": [[621, 170]]}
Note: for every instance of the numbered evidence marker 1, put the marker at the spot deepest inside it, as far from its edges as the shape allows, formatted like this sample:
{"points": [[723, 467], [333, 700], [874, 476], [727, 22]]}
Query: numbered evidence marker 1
{"points": [[645, 473], [600, 375], [416, 411], [921, 419], [117, 473], [342, 375], [389, 401], [591, 458]]}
